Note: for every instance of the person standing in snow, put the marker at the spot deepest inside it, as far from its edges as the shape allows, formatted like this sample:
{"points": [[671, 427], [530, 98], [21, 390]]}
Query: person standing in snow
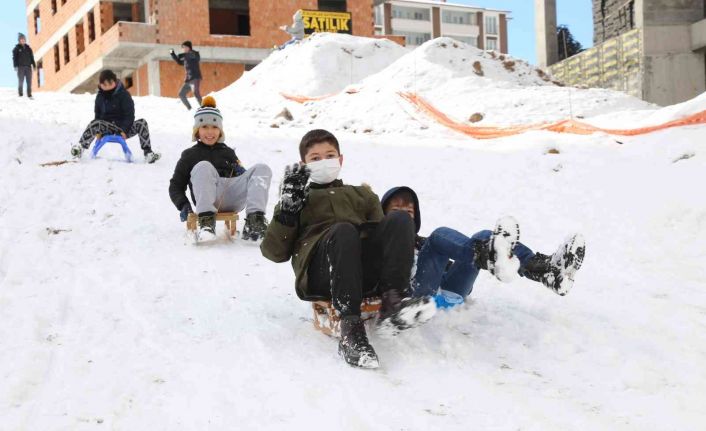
{"points": [[23, 62], [191, 60], [115, 115], [296, 30], [217, 179], [450, 261], [343, 248]]}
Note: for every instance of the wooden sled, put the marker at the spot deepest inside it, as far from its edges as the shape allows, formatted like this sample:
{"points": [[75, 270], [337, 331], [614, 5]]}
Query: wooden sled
{"points": [[230, 220], [328, 321]]}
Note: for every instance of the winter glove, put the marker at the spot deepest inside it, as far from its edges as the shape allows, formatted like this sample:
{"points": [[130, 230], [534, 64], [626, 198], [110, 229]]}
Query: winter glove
{"points": [[171, 51], [293, 193], [185, 211]]}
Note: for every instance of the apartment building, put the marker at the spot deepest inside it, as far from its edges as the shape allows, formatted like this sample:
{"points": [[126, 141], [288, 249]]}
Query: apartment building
{"points": [[421, 20], [651, 49], [74, 40]]}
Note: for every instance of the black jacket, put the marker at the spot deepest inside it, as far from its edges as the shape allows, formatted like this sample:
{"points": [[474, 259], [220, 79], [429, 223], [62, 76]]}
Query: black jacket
{"points": [[22, 56], [190, 60], [116, 106], [221, 156]]}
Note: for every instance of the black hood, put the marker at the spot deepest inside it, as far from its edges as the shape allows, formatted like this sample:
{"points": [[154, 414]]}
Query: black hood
{"points": [[417, 214]]}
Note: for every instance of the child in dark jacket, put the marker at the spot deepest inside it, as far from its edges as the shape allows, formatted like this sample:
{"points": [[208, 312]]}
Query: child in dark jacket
{"points": [[450, 261], [191, 60], [115, 115], [217, 179], [343, 248]]}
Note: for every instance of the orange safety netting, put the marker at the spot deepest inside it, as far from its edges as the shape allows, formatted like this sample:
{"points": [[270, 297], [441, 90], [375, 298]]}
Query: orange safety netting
{"points": [[564, 126], [303, 99]]}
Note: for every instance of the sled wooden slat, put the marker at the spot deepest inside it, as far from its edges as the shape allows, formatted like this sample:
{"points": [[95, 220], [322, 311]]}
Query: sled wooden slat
{"points": [[328, 321], [230, 220]]}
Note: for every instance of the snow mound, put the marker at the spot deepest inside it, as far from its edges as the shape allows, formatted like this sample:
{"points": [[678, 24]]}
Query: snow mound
{"points": [[321, 65], [461, 80]]}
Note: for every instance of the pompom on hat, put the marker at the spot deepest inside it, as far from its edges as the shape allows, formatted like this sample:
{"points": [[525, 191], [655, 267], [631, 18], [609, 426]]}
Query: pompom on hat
{"points": [[208, 114]]}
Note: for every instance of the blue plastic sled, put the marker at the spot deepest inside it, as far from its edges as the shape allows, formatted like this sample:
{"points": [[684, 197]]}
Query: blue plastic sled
{"points": [[112, 138]]}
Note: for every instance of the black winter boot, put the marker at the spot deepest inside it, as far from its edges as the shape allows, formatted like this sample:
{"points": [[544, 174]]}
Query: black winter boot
{"points": [[399, 312], [207, 226], [354, 346], [255, 226], [495, 254], [557, 271]]}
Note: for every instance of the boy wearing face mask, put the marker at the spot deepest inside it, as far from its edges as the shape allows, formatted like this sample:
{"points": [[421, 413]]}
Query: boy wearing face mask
{"points": [[217, 179], [343, 248]]}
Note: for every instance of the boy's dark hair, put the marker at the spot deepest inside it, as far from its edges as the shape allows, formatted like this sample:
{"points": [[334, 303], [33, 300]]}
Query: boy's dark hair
{"points": [[317, 136], [187, 43], [107, 75], [404, 195]]}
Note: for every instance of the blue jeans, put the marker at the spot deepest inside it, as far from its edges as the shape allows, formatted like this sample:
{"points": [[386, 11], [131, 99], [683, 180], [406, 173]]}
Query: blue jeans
{"points": [[444, 244]]}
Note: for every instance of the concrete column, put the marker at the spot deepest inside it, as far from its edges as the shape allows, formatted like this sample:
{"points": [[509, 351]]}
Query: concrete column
{"points": [[153, 78], [545, 31]]}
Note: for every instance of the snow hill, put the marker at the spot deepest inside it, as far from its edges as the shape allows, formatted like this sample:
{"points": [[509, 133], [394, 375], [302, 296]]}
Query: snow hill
{"points": [[111, 320]]}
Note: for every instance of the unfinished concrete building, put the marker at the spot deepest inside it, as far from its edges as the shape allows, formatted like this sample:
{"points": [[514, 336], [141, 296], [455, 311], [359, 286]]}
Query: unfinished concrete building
{"points": [[652, 49], [74, 40]]}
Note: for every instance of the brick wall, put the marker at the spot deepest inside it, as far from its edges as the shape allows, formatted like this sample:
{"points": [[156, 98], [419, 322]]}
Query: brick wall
{"points": [[216, 76]]}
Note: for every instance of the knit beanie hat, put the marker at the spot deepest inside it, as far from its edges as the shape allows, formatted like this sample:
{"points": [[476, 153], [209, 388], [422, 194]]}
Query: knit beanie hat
{"points": [[188, 43], [208, 114], [20, 36]]}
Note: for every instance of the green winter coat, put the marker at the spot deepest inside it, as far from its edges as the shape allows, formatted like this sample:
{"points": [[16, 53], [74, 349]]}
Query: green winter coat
{"points": [[325, 206]]}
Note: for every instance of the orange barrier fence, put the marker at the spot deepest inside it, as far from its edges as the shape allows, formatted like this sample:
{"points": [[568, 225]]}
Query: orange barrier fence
{"points": [[303, 99], [565, 126]]}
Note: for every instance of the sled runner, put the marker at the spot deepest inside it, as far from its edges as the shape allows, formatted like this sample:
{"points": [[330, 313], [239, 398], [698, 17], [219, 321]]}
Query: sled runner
{"points": [[328, 321], [230, 220], [112, 138]]}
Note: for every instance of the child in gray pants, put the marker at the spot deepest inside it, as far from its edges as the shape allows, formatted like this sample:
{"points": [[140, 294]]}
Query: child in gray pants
{"points": [[217, 179]]}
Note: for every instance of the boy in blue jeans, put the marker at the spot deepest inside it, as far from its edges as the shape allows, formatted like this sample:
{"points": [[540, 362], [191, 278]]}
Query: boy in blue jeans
{"points": [[450, 261]]}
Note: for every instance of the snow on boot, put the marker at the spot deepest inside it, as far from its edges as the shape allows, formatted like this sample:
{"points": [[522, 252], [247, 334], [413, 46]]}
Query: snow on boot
{"points": [[354, 346], [255, 226], [207, 227], [399, 312], [495, 254], [76, 151], [152, 157], [557, 271]]}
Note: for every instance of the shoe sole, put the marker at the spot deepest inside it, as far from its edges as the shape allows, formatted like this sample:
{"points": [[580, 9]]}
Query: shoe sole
{"points": [[410, 316], [505, 236], [569, 261]]}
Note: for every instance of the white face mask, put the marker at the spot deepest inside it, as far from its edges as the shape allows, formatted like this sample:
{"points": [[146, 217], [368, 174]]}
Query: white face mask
{"points": [[324, 171]]}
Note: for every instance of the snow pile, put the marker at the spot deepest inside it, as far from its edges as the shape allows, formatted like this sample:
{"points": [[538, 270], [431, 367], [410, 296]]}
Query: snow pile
{"points": [[462, 80], [112, 321], [320, 65]]}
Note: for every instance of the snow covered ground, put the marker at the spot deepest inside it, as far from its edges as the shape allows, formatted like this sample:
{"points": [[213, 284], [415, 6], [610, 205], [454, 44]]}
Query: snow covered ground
{"points": [[110, 320]]}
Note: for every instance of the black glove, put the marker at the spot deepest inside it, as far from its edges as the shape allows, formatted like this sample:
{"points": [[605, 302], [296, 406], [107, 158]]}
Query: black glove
{"points": [[293, 192], [185, 211], [171, 51]]}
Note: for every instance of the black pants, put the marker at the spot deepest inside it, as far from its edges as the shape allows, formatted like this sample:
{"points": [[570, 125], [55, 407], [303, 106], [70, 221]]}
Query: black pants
{"points": [[101, 127], [24, 73], [346, 268], [193, 85]]}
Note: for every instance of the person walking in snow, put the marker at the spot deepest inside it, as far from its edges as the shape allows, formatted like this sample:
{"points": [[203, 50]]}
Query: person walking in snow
{"points": [[343, 248], [450, 261], [191, 60], [218, 180], [296, 30], [115, 115], [23, 62]]}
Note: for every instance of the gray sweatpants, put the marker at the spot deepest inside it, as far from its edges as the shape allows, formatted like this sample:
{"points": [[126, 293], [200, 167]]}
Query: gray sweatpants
{"points": [[24, 73], [214, 193], [193, 85]]}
